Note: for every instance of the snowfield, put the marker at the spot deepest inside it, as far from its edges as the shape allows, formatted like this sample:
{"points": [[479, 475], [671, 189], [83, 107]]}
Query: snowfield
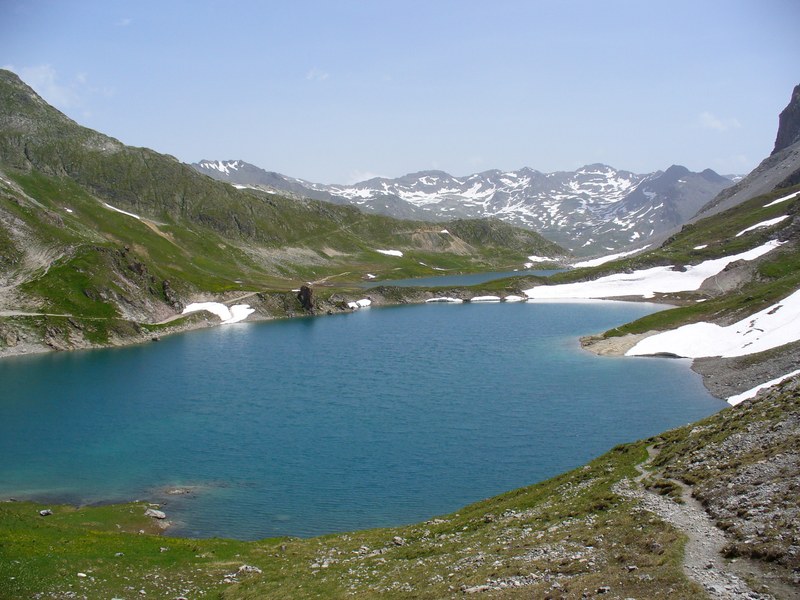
{"points": [[774, 326], [783, 199], [769, 328], [734, 400], [768, 223], [646, 282]]}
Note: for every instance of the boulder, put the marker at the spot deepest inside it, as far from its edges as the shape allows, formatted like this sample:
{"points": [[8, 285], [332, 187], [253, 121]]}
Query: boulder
{"points": [[156, 514]]}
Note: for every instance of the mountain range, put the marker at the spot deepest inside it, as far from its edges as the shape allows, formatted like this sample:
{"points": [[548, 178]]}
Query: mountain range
{"points": [[594, 210]]}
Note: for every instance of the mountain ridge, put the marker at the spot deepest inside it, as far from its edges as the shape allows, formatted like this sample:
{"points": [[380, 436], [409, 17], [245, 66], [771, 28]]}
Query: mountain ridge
{"points": [[592, 210]]}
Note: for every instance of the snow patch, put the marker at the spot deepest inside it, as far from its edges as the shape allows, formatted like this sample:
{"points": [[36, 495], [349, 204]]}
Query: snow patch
{"points": [[390, 252], [751, 393], [594, 262], [444, 299], [701, 247], [119, 210], [485, 299], [363, 303], [767, 223], [222, 167], [783, 199], [234, 314]]}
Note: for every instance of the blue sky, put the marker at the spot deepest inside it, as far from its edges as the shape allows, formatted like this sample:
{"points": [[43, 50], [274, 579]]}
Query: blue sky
{"points": [[338, 91]]}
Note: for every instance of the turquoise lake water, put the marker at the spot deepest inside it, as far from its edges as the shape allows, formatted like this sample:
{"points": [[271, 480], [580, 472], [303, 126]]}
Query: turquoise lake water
{"points": [[309, 426]]}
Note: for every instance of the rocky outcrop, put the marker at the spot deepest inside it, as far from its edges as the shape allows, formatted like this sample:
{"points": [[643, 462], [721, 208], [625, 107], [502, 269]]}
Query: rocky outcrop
{"points": [[304, 296], [744, 466], [789, 123]]}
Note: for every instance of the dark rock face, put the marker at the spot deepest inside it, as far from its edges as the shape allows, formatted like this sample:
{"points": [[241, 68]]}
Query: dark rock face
{"points": [[305, 298], [789, 123], [170, 296]]}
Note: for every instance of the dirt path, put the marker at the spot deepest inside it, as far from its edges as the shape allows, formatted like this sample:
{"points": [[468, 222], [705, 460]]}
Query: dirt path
{"points": [[703, 560]]}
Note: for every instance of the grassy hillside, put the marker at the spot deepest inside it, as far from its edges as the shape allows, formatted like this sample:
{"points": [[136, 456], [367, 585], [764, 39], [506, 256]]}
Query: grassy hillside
{"points": [[121, 238]]}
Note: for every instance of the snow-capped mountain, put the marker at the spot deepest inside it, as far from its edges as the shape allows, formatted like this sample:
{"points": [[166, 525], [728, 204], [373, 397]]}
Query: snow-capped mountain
{"points": [[593, 210]]}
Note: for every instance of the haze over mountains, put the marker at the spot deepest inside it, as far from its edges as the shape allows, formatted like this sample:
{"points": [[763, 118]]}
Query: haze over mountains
{"points": [[593, 210]]}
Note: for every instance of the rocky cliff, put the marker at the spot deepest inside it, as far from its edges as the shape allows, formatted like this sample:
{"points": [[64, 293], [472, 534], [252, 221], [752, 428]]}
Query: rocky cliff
{"points": [[789, 123]]}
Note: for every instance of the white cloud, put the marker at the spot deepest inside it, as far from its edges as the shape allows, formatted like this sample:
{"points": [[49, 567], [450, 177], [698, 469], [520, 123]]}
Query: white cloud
{"points": [[709, 120], [317, 75]]}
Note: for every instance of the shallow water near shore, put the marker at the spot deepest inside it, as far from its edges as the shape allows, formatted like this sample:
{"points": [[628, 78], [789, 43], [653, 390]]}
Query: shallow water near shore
{"points": [[310, 426]]}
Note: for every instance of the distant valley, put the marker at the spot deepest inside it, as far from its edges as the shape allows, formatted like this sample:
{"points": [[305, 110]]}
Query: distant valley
{"points": [[594, 210]]}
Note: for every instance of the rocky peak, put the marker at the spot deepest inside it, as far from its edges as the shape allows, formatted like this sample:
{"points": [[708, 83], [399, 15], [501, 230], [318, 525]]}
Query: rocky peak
{"points": [[789, 123]]}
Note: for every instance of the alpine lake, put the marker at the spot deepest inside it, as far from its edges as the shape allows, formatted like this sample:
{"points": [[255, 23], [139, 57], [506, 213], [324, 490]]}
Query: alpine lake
{"points": [[308, 426]]}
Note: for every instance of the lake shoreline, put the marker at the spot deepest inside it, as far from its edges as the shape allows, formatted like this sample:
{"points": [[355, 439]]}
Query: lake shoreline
{"points": [[272, 306], [723, 378]]}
